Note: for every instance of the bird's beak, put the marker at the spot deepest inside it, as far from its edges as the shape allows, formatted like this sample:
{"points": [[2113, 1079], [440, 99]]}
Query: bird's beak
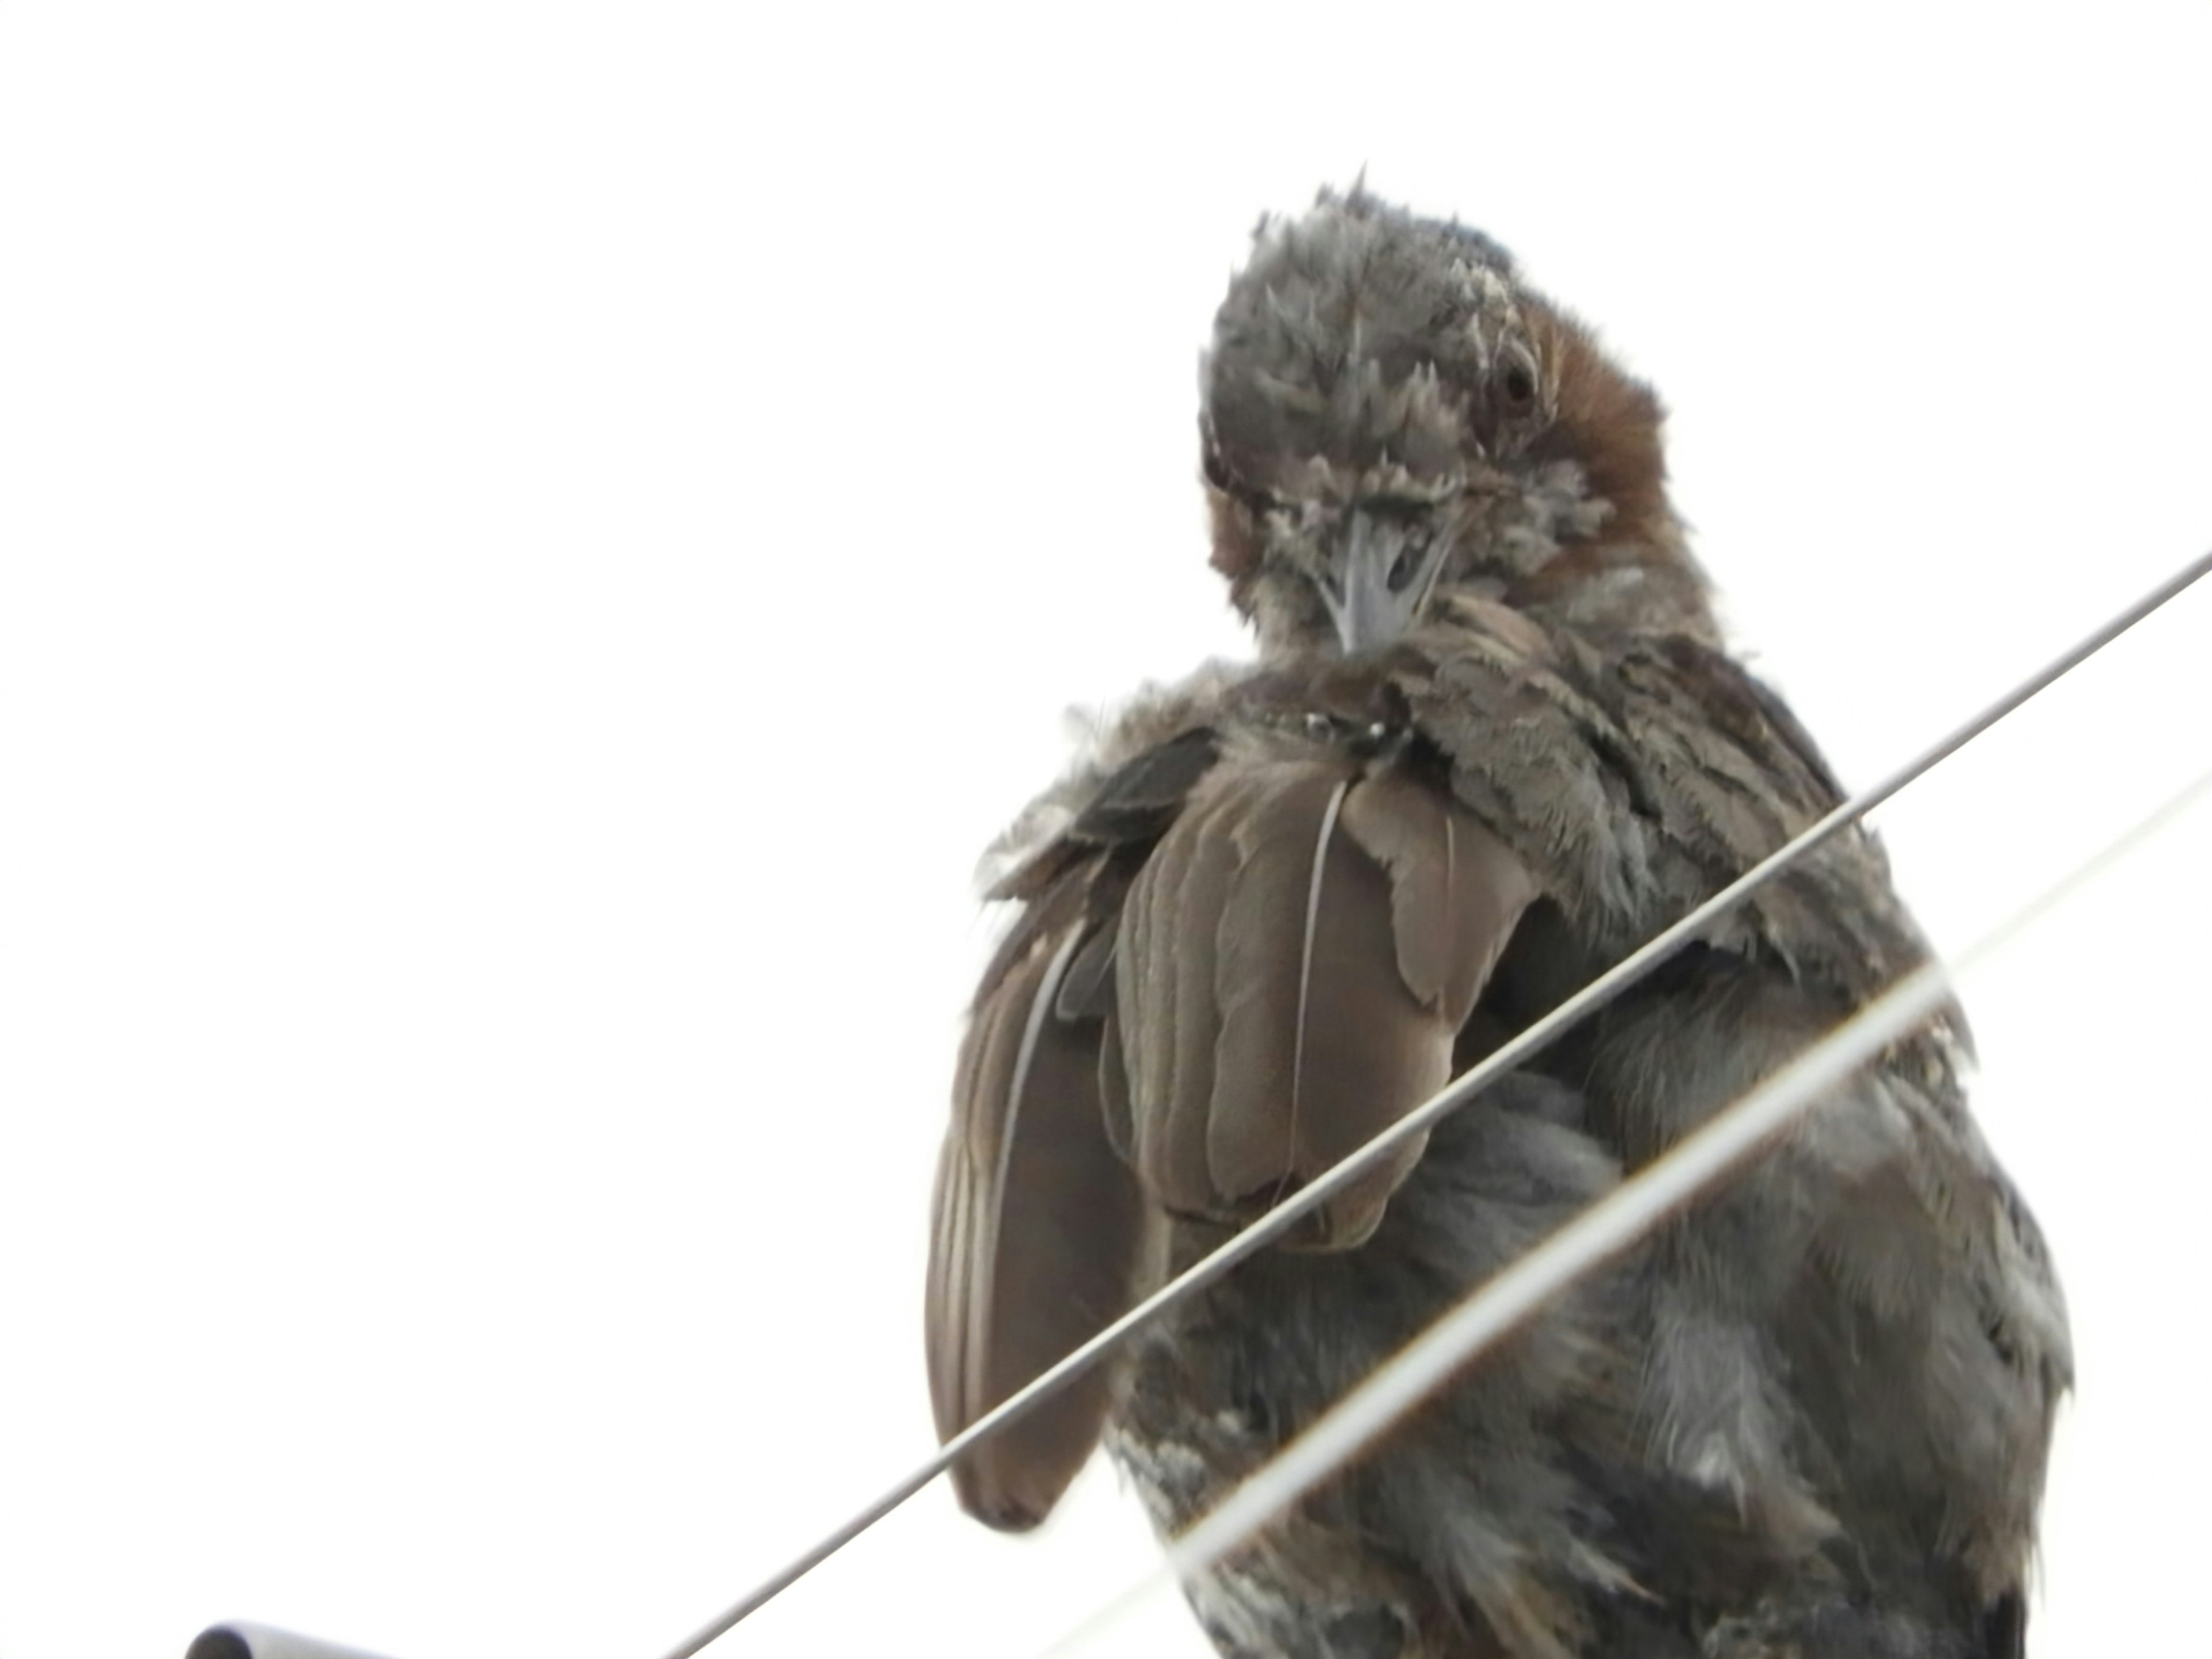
{"points": [[1379, 578]]}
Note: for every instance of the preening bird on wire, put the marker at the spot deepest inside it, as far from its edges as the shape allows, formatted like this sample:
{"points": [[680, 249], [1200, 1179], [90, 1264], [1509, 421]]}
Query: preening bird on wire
{"points": [[1492, 741]]}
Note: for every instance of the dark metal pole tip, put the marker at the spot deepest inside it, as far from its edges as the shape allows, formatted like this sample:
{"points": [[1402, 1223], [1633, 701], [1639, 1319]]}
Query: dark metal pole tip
{"points": [[235, 1640]]}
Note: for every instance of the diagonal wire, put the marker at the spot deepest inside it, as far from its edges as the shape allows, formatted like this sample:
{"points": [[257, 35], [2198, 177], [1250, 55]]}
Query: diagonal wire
{"points": [[1694, 1166], [1280, 1220]]}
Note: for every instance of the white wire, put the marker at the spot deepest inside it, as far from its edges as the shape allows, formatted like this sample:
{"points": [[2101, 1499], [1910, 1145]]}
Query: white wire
{"points": [[1514, 1052], [1694, 1166]]}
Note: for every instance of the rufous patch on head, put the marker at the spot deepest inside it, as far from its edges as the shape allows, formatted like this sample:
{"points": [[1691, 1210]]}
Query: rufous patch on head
{"points": [[1606, 421]]}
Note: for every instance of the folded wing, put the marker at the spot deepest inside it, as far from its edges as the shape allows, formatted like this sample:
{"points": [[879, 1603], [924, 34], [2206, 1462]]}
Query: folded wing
{"points": [[1294, 962], [1038, 1227], [1232, 970]]}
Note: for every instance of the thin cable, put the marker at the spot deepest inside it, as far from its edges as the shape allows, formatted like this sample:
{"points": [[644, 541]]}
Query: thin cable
{"points": [[1694, 1166], [1517, 1050]]}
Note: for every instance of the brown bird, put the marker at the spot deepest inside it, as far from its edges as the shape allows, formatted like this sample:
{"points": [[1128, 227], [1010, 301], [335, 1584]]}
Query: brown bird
{"points": [[1492, 741]]}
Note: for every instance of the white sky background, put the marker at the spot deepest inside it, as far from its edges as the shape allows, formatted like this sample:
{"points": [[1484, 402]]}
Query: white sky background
{"points": [[538, 543]]}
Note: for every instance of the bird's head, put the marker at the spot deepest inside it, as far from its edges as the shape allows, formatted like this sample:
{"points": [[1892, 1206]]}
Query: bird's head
{"points": [[1388, 412]]}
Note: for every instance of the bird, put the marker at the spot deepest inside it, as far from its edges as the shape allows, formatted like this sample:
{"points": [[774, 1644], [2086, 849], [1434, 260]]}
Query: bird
{"points": [[1490, 738]]}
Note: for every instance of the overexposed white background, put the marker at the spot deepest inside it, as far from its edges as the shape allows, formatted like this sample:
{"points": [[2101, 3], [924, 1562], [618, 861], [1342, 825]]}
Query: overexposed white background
{"points": [[538, 541]]}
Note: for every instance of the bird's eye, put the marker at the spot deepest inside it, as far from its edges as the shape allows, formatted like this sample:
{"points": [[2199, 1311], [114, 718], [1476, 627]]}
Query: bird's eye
{"points": [[1518, 387], [1401, 571]]}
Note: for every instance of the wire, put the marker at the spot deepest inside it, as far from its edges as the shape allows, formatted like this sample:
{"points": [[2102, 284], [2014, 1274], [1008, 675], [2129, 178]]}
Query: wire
{"points": [[1514, 1052], [1694, 1166]]}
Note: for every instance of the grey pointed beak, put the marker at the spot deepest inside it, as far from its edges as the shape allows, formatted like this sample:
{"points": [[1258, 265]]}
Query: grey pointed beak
{"points": [[1379, 579]]}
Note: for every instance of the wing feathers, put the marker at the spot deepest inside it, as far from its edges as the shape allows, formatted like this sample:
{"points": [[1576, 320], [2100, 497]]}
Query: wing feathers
{"points": [[1161, 966], [1292, 966], [1284, 978], [1036, 1231], [1454, 884], [1087, 992], [1269, 993]]}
